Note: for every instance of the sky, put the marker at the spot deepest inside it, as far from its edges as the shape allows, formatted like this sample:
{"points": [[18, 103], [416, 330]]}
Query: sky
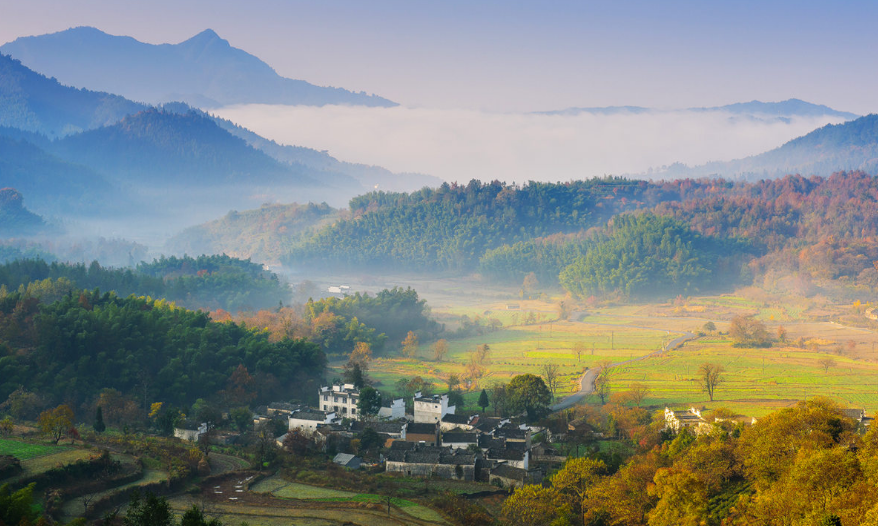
{"points": [[510, 56]]}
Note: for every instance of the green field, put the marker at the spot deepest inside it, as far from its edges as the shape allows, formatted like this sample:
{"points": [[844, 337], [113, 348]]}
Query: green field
{"points": [[27, 450]]}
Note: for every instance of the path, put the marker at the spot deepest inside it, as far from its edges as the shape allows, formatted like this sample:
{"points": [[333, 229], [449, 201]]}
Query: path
{"points": [[586, 382]]}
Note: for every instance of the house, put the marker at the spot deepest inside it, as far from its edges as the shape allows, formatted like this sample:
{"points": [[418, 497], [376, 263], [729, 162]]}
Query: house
{"points": [[691, 419], [394, 430], [487, 424], [282, 409], [451, 421], [459, 440], [431, 408], [422, 432], [517, 458], [347, 461], [190, 430], [506, 476], [425, 461], [309, 420], [392, 409], [513, 433], [340, 399]]}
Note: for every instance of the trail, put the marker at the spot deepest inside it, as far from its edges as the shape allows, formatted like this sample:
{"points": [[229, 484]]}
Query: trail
{"points": [[586, 382]]}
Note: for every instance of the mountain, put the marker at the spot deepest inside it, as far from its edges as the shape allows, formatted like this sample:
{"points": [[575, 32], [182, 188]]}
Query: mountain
{"points": [[204, 71], [852, 145], [754, 109], [30, 101], [15, 219]]}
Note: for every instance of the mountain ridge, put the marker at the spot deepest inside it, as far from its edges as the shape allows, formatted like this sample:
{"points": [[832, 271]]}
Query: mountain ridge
{"points": [[204, 70]]}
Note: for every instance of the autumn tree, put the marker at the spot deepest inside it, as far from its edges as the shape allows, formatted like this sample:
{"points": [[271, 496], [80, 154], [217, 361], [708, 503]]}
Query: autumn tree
{"points": [[440, 349], [56, 422], [781, 334], [682, 499], [709, 327], [551, 376], [533, 505], [575, 479], [6, 426], [638, 392], [826, 363], [410, 344], [483, 354], [530, 284], [710, 375], [747, 331], [602, 388]]}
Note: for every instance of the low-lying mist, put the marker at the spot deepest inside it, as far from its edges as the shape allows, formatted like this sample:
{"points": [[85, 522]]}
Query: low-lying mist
{"points": [[458, 145]]}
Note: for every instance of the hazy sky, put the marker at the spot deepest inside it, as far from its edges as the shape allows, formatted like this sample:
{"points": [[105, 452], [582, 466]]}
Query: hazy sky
{"points": [[521, 56]]}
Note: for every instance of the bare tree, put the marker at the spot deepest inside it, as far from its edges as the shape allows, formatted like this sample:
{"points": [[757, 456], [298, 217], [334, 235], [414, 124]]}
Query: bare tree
{"points": [[440, 349], [578, 349], [602, 388], [483, 354], [551, 375], [826, 363], [638, 393], [710, 375]]}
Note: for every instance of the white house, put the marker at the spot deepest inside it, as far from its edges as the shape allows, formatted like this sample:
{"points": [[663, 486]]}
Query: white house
{"points": [[392, 410], [431, 409], [308, 421], [340, 399], [190, 431]]}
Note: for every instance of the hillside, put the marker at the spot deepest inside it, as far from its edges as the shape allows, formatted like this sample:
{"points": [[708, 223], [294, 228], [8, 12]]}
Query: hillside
{"points": [[264, 234], [204, 71], [32, 102], [848, 146], [15, 219], [755, 109]]}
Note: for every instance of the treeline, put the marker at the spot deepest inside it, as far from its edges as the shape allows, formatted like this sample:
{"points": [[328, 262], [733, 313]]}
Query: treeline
{"points": [[802, 465], [206, 282], [70, 349]]}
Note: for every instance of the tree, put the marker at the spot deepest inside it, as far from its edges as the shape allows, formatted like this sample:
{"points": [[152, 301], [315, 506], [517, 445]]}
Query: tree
{"points": [[638, 393], [709, 327], [528, 393], [483, 354], [369, 403], [826, 363], [575, 479], [747, 331], [370, 439], [578, 349], [710, 375], [483, 400], [602, 388], [99, 425], [264, 445], [440, 349], [296, 443], [682, 499], [195, 517], [6, 426], [781, 334], [499, 396], [410, 344], [17, 507], [452, 381], [242, 417], [354, 374], [530, 284], [474, 368], [361, 354], [550, 375], [56, 422], [533, 505], [149, 511]]}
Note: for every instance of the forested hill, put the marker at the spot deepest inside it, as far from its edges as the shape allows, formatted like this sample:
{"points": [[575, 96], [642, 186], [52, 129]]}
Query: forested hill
{"points": [[167, 147], [205, 70], [15, 219], [452, 226], [32, 102], [849, 146]]}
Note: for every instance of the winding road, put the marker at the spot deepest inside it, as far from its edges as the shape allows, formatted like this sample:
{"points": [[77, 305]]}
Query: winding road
{"points": [[586, 382]]}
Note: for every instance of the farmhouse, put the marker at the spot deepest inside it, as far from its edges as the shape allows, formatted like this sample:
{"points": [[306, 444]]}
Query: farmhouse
{"points": [[422, 432], [431, 408], [451, 421], [426, 461], [190, 430], [309, 420], [340, 399], [691, 419], [392, 409], [394, 430], [460, 440], [348, 461]]}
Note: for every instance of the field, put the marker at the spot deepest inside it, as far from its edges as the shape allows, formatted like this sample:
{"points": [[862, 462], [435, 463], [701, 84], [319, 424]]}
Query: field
{"points": [[620, 333], [41, 457], [27, 450]]}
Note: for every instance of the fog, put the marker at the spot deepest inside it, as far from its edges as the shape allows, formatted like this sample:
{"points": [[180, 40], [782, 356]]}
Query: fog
{"points": [[458, 145]]}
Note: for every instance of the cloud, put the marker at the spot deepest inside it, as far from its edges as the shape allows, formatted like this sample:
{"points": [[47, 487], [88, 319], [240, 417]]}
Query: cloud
{"points": [[459, 145]]}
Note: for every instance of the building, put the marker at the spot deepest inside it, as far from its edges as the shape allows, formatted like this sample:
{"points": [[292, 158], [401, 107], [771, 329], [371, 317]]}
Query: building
{"points": [[347, 461], [425, 461], [392, 409], [282, 409], [395, 430], [506, 476], [422, 432], [308, 421], [510, 455], [340, 399], [190, 431], [691, 419], [451, 422], [459, 440], [431, 408]]}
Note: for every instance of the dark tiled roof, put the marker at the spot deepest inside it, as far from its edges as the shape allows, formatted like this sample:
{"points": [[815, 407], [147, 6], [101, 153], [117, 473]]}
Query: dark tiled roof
{"points": [[431, 455], [420, 428], [284, 406], [511, 432], [402, 445], [393, 428], [316, 416], [505, 454], [487, 441], [508, 472], [455, 419], [856, 414], [469, 438]]}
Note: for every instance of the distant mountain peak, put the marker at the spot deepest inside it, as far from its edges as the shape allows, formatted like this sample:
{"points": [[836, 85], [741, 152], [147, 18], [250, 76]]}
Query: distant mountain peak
{"points": [[206, 37]]}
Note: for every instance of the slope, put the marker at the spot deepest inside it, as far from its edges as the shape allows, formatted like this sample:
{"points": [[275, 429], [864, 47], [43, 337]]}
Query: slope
{"points": [[32, 102], [204, 71]]}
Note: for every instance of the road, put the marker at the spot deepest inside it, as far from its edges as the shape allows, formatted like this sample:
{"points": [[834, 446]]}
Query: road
{"points": [[586, 382]]}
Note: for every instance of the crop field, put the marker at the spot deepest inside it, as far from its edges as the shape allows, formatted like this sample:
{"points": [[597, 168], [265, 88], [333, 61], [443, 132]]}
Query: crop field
{"points": [[41, 464], [75, 508], [27, 450], [756, 381]]}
